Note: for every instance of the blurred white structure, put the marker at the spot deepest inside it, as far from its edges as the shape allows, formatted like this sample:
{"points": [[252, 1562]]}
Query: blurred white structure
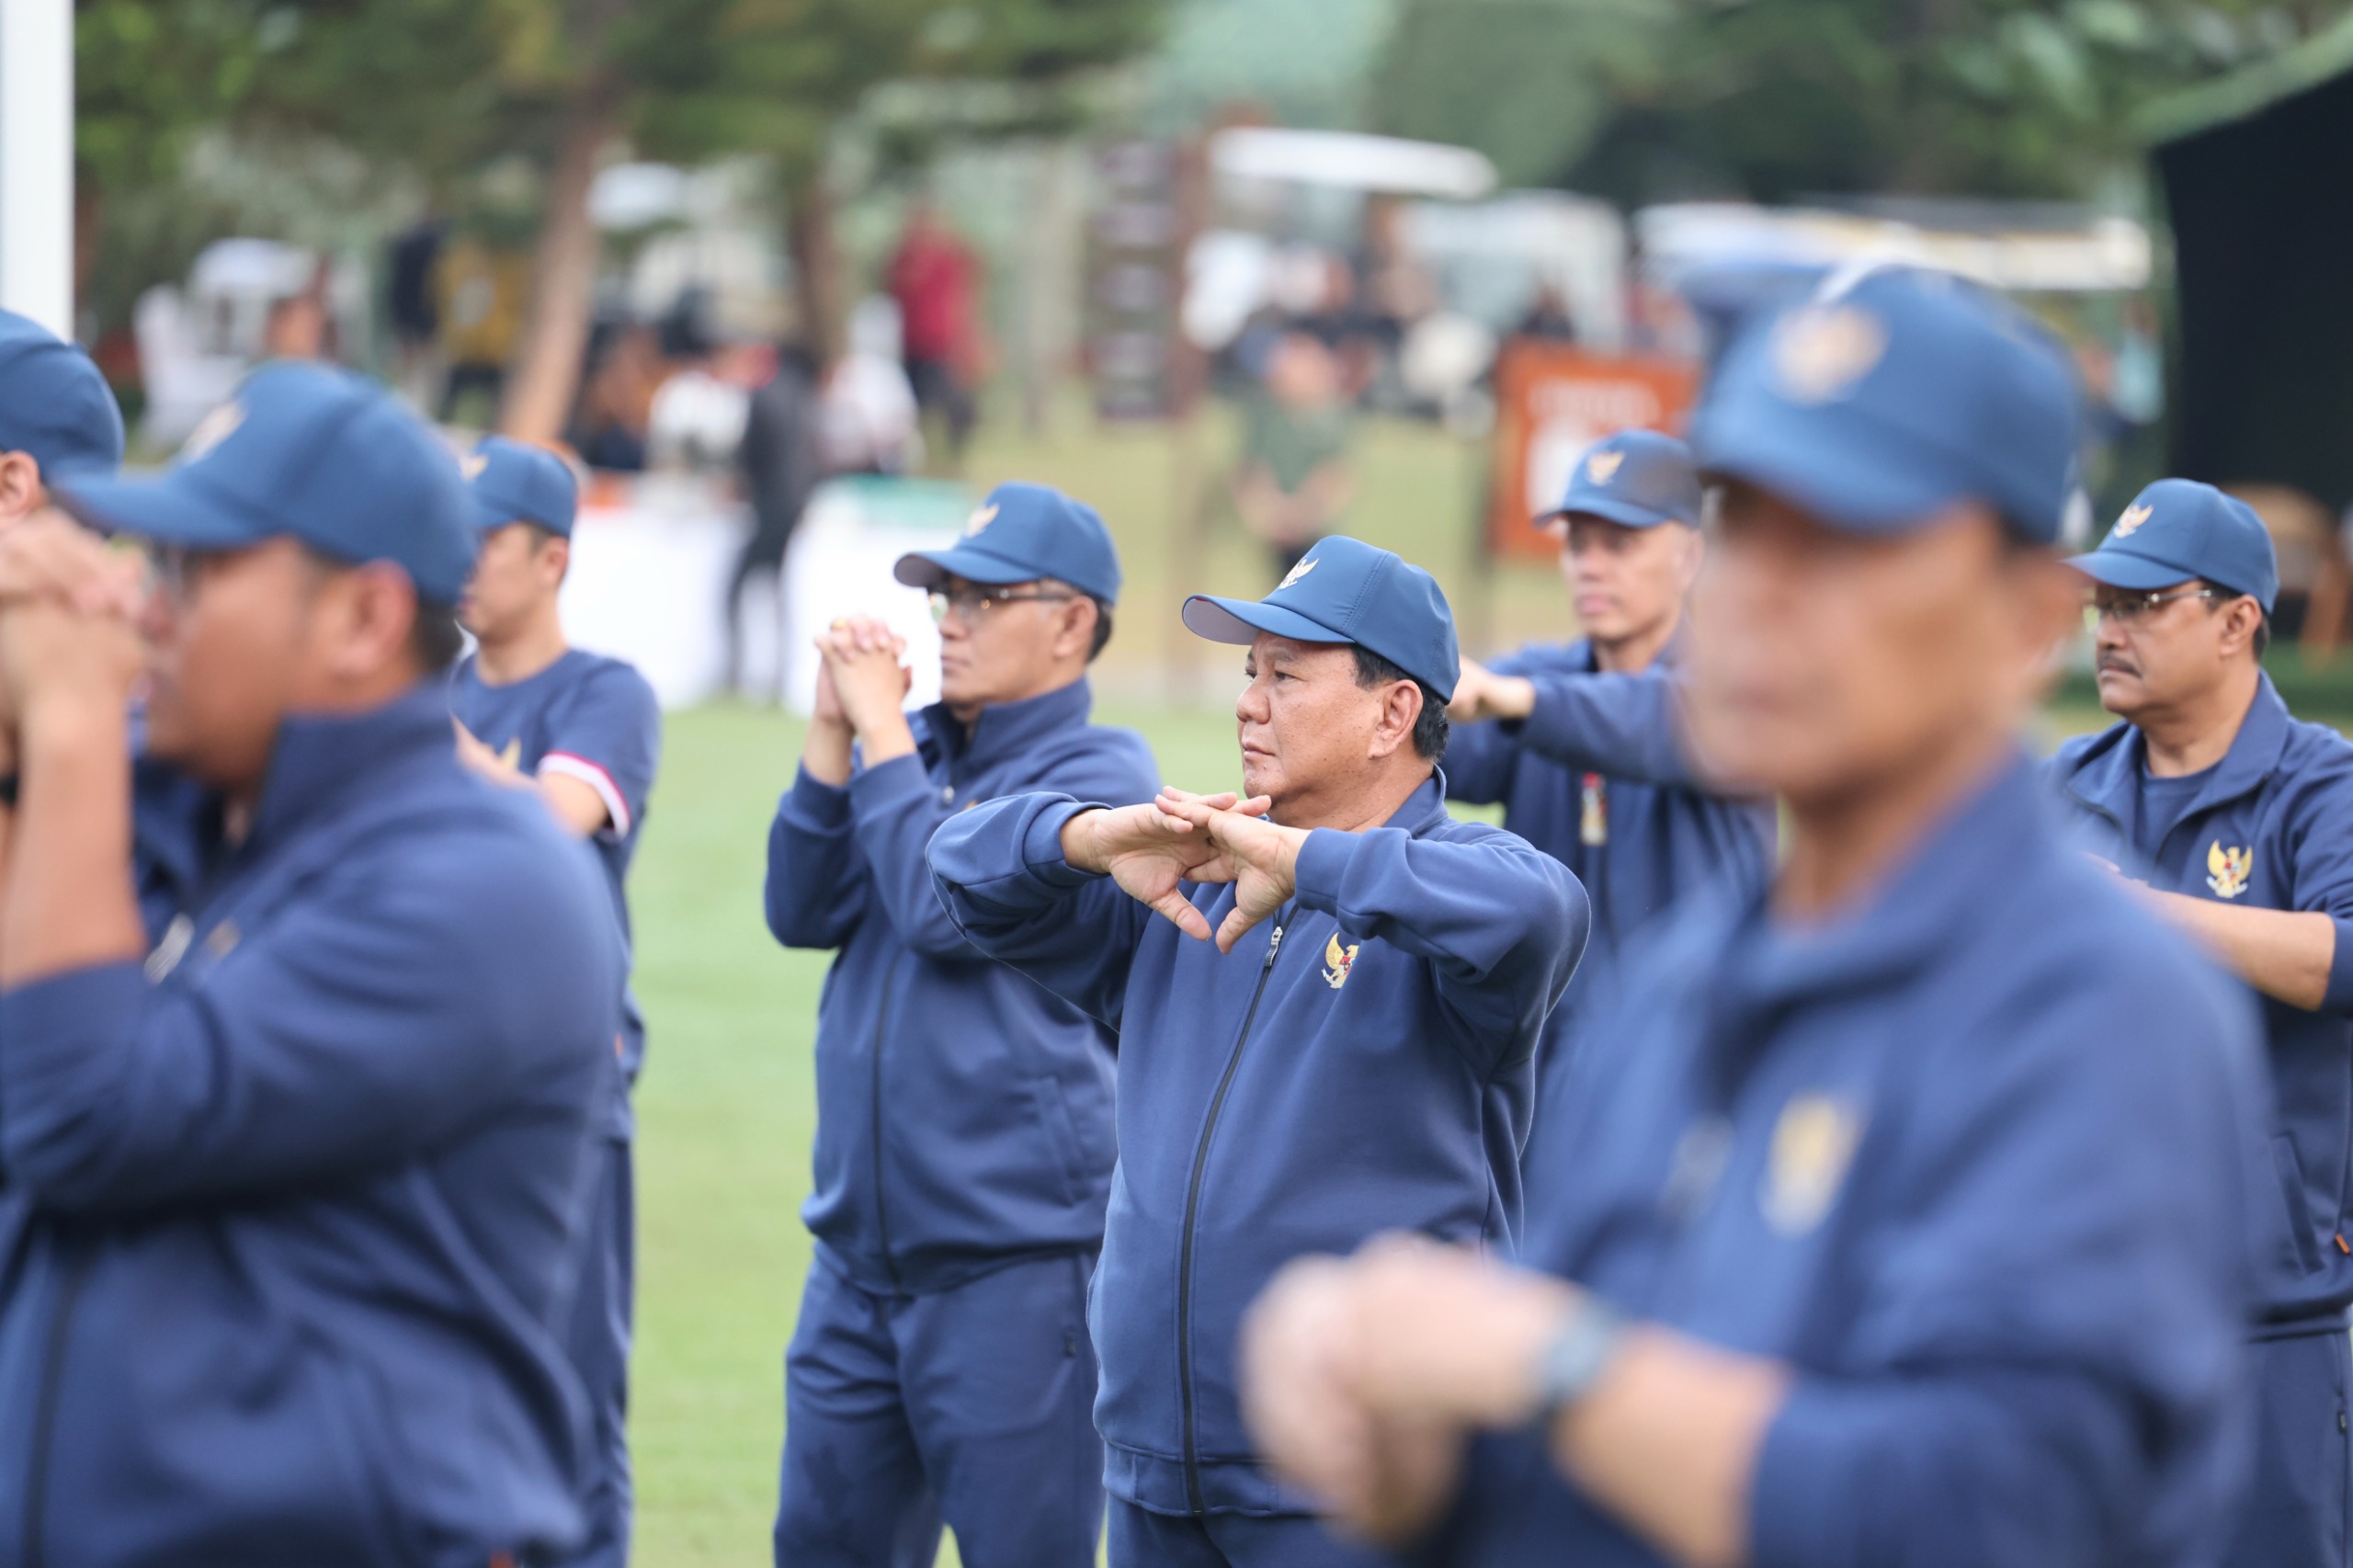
{"points": [[194, 340], [2017, 248], [1346, 161], [37, 161]]}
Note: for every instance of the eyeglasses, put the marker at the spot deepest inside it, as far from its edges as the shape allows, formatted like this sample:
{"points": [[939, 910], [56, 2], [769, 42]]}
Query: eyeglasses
{"points": [[971, 603], [2130, 607]]}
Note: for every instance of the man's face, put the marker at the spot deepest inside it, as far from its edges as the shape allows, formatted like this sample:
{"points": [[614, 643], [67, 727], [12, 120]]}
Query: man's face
{"points": [[1002, 642], [1823, 663], [227, 645], [2148, 657], [1626, 583], [518, 568], [1307, 728]]}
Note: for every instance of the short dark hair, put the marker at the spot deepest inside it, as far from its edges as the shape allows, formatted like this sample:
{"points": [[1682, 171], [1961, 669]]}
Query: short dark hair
{"points": [[1430, 728], [435, 636], [1102, 627]]}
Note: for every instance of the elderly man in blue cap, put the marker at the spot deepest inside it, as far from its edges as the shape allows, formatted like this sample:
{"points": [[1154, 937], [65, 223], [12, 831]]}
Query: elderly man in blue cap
{"points": [[584, 732], [291, 1198], [941, 1367], [2237, 821], [1901, 1214], [1329, 1031], [1586, 747], [57, 417]]}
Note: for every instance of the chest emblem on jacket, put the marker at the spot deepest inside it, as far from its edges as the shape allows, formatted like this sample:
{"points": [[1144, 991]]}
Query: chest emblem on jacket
{"points": [[1339, 963], [1593, 812], [1812, 1145], [2228, 870]]}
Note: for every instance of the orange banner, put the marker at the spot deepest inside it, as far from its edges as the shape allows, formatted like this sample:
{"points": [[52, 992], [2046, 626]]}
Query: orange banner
{"points": [[1552, 400]]}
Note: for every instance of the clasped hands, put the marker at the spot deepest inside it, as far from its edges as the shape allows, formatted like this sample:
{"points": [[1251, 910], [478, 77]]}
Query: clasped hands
{"points": [[1152, 850], [69, 610]]}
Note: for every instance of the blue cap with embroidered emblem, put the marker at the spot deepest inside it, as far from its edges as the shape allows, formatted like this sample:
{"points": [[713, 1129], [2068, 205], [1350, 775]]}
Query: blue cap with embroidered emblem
{"points": [[2178, 528], [309, 452], [1877, 406], [514, 481], [1019, 533], [54, 403], [1637, 479], [1345, 590]]}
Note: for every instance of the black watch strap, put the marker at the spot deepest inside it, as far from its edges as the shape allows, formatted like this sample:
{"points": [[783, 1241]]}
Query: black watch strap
{"points": [[8, 789], [1575, 1360]]}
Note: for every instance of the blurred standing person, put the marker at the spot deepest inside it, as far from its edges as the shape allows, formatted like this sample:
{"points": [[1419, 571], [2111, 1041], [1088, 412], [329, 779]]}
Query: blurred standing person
{"points": [[585, 733], [1583, 744], [941, 1367], [868, 419], [782, 459], [1378, 1078], [1904, 1217], [2235, 821], [292, 1181], [935, 278], [1293, 482]]}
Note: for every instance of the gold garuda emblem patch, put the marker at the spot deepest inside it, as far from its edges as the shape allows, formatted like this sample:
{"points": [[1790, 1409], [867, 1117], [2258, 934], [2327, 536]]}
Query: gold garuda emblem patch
{"points": [[2228, 870], [1602, 467], [978, 520], [1819, 353], [1339, 963], [1812, 1145], [1295, 574], [2129, 523]]}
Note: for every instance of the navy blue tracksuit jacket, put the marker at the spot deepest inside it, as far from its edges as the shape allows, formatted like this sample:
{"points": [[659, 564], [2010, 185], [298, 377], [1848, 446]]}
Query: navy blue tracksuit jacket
{"points": [[1597, 778], [2270, 827], [1362, 1062], [964, 1115], [1978, 1159], [286, 1229]]}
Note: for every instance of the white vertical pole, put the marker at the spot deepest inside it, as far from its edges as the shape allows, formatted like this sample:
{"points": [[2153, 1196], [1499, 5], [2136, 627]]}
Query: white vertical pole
{"points": [[37, 161]]}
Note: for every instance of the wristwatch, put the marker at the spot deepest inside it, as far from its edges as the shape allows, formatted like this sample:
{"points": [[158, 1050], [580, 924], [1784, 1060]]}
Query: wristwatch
{"points": [[8, 789], [1575, 1360]]}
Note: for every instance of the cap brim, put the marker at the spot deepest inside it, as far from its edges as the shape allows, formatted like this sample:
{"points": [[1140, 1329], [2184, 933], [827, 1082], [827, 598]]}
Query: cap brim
{"points": [[1240, 622], [168, 510], [2124, 569], [1625, 514], [929, 568]]}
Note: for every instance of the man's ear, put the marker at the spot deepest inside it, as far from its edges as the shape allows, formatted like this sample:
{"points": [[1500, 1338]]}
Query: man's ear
{"points": [[374, 619], [555, 555], [1400, 709], [22, 492], [2241, 617]]}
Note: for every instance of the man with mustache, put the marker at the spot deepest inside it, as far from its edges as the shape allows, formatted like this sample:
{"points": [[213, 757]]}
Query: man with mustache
{"points": [[1351, 1052], [1900, 1216], [2235, 820]]}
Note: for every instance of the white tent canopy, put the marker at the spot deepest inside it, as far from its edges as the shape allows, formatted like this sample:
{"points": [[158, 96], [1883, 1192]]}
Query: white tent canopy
{"points": [[1346, 161]]}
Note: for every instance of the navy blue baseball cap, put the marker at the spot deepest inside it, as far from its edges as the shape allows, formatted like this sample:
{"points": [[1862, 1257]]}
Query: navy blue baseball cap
{"points": [[514, 481], [308, 453], [1020, 532], [1637, 479], [2178, 528], [54, 402], [1345, 590], [1876, 406]]}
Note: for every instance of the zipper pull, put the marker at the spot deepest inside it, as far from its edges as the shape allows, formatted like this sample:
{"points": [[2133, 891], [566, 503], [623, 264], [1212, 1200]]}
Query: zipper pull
{"points": [[1273, 948]]}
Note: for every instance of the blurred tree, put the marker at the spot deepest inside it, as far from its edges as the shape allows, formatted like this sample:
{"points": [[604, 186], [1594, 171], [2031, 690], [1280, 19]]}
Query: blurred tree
{"points": [[445, 85], [1644, 100]]}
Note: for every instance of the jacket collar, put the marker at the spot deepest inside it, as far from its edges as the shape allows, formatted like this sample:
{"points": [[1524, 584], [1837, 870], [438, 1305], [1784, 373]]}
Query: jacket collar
{"points": [[2108, 779], [319, 760], [1425, 808], [1670, 655], [1006, 729]]}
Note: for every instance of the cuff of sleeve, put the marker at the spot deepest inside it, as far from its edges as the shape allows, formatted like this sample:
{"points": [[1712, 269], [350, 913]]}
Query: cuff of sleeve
{"points": [[817, 804], [1323, 867], [2339, 998], [1799, 1514], [1041, 846], [890, 783], [64, 1035]]}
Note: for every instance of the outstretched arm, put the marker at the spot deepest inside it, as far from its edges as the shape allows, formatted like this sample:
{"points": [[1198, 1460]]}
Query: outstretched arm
{"points": [[1627, 726]]}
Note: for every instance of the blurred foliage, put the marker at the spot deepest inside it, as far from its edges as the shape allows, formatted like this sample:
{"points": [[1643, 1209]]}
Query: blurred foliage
{"points": [[1644, 100]]}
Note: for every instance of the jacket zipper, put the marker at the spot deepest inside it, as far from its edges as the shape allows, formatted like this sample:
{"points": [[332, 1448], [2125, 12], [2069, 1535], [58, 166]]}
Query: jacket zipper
{"points": [[1193, 1495], [52, 1378], [882, 1220]]}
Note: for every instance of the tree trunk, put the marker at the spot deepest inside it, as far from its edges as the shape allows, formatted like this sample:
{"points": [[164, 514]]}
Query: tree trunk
{"points": [[544, 376], [821, 314]]}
